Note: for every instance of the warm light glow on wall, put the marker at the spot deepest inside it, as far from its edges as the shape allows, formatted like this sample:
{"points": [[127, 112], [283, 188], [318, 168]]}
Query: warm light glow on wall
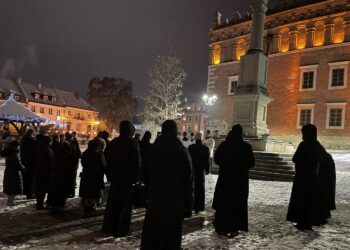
{"points": [[284, 40], [319, 34], [301, 37], [216, 57], [339, 31], [240, 49]]}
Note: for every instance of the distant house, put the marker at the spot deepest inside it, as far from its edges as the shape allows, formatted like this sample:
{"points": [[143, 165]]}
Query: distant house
{"points": [[68, 109]]}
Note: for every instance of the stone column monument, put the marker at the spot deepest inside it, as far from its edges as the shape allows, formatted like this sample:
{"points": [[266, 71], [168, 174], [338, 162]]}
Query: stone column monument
{"points": [[251, 97]]}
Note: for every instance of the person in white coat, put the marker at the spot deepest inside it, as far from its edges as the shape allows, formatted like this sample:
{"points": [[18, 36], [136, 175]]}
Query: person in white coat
{"points": [[210, 143]]}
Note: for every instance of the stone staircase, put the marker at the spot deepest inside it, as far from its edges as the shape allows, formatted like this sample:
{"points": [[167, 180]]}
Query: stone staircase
{"points": [[273, 167]]}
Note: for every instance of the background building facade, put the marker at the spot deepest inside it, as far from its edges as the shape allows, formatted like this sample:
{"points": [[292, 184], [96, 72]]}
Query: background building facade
{"points": [[66, 108], [308, 48]]}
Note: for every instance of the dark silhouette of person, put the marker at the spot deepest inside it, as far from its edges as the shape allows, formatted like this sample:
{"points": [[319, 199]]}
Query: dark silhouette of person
{"points": [[60, 177], [145, 145], [327, 186], [234, 157], [55, 142], [12, 182], [124, 164], [44, 161], [92, 182], [304, 207], [170, 181], [27, 155], [75, 155], [200, 161]]}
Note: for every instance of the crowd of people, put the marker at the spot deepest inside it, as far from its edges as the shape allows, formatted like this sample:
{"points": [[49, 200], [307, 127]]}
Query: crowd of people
{"points": [[166, 177]]}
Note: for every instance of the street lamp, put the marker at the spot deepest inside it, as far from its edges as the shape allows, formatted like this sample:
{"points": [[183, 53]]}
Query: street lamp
{"points": [[209, 101]]}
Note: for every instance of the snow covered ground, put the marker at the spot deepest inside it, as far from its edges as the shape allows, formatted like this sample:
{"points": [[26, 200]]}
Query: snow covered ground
{"points": [[268, 229]]}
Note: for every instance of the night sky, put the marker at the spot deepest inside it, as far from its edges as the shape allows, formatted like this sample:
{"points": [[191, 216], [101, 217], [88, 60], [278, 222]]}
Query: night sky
{"points": [[67, 42]]}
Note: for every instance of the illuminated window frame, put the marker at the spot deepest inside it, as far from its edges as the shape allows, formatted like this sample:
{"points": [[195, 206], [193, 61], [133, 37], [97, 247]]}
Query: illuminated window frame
{"points": [[341, 20], [316, 43], [338, 65], [297, 43], [240, 49], [305, 107], [287, 31], [216, 54], [231, 79], [304, 69], [341, 106]]}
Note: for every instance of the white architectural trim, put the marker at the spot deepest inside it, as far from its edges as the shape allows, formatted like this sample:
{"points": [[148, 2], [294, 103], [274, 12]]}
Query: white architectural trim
{"points": [[230, 80], [338, 65], [341, 105], [302, 107], [304, 69]]}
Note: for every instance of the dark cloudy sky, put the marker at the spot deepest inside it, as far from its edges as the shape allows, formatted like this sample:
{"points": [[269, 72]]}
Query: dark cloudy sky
{"points": [[67, 42]]}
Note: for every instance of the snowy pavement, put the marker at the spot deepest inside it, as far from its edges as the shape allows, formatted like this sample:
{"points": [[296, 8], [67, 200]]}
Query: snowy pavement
{"points": [[268, 228]]}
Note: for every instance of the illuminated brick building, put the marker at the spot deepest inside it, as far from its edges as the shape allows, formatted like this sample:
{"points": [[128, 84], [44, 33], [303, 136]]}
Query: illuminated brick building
{"points": [[67, 108], [308, 46]]}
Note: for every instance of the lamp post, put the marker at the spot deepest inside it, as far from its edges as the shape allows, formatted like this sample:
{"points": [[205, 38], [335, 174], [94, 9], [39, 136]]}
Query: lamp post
{"points": [[209, 101]]}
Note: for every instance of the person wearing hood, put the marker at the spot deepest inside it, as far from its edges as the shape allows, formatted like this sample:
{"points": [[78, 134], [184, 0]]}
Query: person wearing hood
{"points": [[124, 166], [12, 182], [170, 181], [44, 161], [200, 161], [234, 157], [91, 182], [304, 206]]}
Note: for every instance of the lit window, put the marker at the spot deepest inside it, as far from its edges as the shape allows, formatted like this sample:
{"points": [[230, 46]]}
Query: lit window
{"points": [[46, 98], [89, 116], [339, 31], [58, 112], [33, 108], [69, 112], [301, 37], [42, 110], [240, 49], [37, 96], [50, 111], [216, 56], [232, 84], [319, 34], [338, 75], [305, 114], [284, 40], [54, 99], [308, 77]]}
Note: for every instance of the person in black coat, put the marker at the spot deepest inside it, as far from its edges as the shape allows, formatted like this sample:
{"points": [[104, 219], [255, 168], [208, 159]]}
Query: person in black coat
{"points": [[124, 165], [92, 182], [44, 159], [327, 186], [60, 177], [12, 182], [305, 207], [75, 156], [234, 157], [170, 180], [200, 161], [141, 190], [27, 154]]}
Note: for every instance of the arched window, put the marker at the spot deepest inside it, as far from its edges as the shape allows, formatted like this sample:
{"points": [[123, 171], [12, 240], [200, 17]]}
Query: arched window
{"points": [[240, 49], [339, 31], [284, 40], [301, 37], [216, 56], [319, 34]]}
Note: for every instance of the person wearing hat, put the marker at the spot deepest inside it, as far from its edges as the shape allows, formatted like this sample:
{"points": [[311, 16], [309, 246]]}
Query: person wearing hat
{"points": [[170, 196], [235, 157], [200, 162]]}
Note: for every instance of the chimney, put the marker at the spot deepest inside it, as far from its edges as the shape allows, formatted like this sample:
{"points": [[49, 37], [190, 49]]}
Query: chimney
{"points": [[39, 86], [19, 80]]}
